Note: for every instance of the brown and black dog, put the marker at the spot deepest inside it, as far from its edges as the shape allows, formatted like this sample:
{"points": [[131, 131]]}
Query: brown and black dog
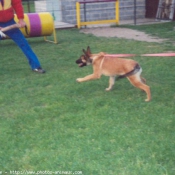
{"points": [[104, 64]]}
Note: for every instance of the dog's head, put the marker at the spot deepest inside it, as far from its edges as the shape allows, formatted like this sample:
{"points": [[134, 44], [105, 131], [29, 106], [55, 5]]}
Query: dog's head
{"points": [[85, 59]]}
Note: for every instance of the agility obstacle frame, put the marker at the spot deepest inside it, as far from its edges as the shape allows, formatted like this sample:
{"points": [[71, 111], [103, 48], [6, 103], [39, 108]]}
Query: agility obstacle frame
{"points": [[39, 24], [78, 13]]}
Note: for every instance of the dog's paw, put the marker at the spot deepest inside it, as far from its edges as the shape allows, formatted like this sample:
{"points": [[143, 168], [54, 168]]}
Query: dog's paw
{"points": [[147, 100], [78, 80], [108, 89]]}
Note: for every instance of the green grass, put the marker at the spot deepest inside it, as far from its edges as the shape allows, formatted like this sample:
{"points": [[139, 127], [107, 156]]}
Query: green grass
{"points": [[50, 122]]}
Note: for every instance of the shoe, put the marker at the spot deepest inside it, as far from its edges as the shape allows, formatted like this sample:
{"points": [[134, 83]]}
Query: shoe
{"points": [[39, 70]]}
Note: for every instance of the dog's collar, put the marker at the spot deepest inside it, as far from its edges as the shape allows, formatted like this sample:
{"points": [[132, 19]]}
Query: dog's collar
{"points": [[90, 60]]}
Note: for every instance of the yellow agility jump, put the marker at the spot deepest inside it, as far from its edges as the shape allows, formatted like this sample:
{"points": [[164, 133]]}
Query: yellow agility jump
{"points": [[39, 24], [79, 23]]}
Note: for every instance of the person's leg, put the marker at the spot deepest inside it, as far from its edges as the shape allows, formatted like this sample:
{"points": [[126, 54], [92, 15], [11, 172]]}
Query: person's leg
{"points": [[17, 36]]}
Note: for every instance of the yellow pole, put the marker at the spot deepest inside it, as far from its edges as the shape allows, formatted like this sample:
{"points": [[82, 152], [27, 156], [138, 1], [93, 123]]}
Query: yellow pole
{"points": [[117, 11], [78, 14], [55, 35]]}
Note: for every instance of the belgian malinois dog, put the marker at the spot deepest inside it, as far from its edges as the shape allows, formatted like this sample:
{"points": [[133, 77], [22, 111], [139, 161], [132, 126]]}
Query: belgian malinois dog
{"points": [[105, 64]]}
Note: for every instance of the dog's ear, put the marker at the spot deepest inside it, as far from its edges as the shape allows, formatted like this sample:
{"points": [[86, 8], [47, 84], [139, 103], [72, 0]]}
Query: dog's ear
{"points": [[85, 53], [89, 51]]}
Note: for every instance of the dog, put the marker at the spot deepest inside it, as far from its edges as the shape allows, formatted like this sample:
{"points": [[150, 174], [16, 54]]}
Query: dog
{"points": [[112, 66]]}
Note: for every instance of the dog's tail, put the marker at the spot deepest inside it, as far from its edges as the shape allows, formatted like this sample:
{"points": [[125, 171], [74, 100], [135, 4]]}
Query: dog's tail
{"points": [[134, 71]]}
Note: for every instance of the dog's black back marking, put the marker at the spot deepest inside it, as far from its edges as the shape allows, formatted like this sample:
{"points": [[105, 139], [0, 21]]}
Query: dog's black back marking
{"points": [[134, 71]]}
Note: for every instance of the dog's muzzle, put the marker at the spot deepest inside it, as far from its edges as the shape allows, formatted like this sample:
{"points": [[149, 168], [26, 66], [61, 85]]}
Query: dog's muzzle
{"points": [[81, 63]]}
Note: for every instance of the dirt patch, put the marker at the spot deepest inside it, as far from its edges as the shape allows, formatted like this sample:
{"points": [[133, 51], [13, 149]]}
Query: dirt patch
{"points": [[122, 33]]}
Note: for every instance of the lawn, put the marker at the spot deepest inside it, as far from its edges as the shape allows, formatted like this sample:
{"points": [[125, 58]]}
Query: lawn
{"points": [[51, 124]]}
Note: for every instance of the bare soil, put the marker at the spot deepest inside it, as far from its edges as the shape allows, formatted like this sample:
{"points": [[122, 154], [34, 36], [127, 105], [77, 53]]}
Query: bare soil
{"points": [[121, 33]]}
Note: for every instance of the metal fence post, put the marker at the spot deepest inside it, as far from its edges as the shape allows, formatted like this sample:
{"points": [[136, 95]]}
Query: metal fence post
{"points": [[135, 12]]}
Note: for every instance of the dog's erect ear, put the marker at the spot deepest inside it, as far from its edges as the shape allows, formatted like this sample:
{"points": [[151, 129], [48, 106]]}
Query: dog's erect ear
{"points": [[85, 53], [88, 51]]}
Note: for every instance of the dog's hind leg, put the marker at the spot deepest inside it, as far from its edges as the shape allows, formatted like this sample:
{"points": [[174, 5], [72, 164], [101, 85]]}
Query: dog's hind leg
{"points": [[111, 83], [143, 80], [136, 81]]}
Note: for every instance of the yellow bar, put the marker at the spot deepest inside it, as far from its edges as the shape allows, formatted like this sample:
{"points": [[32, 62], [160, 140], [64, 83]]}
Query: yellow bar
{"points": [[98, 22], [78, 14], [54, 36], [117, 11], [79, 23]]}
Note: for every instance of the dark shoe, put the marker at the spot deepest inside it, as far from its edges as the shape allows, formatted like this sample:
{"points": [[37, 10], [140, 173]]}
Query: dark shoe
{"points": [[39, 70]]}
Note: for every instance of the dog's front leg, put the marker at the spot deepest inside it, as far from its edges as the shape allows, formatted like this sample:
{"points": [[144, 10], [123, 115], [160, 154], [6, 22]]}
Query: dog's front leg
{"points": [[111, 83], [88, 77]]}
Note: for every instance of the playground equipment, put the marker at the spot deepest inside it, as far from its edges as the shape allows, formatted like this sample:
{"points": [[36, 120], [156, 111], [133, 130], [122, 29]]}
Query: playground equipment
{"points": [[78, 12], [38, 24]]}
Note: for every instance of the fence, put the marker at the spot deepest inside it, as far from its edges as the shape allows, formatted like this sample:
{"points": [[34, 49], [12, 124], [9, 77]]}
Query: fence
{"points": [[132, 11], [115, 18]]}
